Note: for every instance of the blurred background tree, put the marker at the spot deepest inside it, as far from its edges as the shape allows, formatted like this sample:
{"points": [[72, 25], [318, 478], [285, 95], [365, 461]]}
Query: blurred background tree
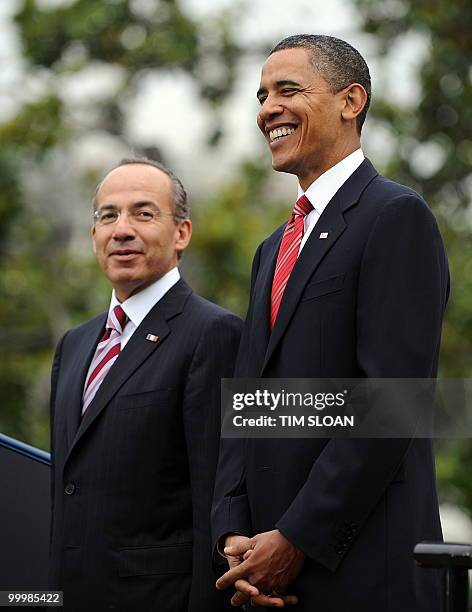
{"points": [[432, 152], [47, 275]]}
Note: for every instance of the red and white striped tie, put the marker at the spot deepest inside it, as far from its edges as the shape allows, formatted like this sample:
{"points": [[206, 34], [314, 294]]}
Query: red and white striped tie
{"points": [[106, 354], [288, 253]]}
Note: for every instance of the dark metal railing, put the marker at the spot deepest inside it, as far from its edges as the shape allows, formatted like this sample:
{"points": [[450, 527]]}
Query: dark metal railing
{"points": [[25, 449], [456, 560]]}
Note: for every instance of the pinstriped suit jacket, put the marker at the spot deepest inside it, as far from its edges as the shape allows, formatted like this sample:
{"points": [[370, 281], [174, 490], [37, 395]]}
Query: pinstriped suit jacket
{"points": [[132, 481]]}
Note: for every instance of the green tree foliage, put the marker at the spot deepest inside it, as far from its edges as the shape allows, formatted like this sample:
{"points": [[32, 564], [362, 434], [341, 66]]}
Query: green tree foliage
{"points": [[229, 225], [137, 36], [9, 192], [439, 122]]}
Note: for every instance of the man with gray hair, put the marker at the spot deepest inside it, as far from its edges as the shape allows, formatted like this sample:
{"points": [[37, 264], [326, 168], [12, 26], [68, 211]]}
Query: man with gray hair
{"points": [[135, 413], [354, 286]]}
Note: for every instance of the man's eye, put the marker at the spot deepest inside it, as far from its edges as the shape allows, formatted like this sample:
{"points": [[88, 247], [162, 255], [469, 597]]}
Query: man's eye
{"points": [[288, 91], [108, 216], [262, 99], [143, 215]]}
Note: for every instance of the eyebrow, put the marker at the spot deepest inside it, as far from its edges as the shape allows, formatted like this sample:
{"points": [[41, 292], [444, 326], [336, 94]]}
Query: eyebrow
{"points": [[139, 204], [279, 84]]}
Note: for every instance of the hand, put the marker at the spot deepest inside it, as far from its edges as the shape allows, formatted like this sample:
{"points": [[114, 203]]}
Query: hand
{"points": [[267, 561], [245, 592], [269, 601]]}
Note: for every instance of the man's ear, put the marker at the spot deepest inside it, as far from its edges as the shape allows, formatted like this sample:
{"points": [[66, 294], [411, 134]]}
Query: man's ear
{"points": [[184, 235], [94, 246], [355, 98]]}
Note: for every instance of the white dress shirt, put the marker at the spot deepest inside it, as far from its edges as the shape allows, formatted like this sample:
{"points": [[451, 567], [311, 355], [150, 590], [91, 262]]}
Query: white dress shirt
{"points": [[137, 306], [323, 189]]}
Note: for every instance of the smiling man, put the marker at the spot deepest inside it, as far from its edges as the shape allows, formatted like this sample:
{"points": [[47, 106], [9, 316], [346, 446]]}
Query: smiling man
{"points": [[135, 413], [354, 285]]}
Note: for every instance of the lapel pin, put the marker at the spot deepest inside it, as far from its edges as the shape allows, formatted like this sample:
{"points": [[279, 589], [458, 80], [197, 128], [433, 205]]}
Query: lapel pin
{"points": [[152, 338], [323, 235]]}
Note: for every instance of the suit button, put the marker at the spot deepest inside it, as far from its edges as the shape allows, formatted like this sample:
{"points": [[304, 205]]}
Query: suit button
{"points": [[70, 488]]}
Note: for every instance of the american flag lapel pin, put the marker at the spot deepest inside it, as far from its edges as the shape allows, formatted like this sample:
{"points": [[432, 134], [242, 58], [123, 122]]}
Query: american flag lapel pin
{"points": [[323, 235], [152, 338]]}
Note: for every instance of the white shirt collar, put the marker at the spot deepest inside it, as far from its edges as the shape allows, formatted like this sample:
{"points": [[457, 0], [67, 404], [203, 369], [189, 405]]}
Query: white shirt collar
{"points": [[325, 186], [138, 305]]}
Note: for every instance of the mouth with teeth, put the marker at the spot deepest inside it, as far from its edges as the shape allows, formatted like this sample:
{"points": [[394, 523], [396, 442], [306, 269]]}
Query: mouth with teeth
{"points": [[281, 132]]}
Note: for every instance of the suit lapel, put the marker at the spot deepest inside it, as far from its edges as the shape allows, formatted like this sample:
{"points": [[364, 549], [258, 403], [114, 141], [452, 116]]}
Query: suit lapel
{"points": [[262, 291], [333, 224], [136, 351], [78, 371]]}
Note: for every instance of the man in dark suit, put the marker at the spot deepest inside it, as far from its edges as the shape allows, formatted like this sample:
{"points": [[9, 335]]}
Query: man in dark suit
{"points": [[135, 413], [354, 286]]}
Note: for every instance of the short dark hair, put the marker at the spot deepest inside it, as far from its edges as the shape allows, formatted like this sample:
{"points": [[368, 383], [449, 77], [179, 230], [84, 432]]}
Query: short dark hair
{"points": [[181, 206], [337, 62]]}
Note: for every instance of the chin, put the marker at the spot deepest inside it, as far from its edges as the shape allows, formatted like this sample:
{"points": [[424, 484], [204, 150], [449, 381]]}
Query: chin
{"points": [[123, 279], [282, 166]]}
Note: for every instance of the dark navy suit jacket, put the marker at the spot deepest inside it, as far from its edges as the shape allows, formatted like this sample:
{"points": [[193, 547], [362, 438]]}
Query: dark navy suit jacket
{"points": [[133, 481], [367, 301]]}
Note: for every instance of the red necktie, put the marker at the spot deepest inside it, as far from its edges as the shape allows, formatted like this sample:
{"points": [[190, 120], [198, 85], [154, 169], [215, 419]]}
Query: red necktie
{"points": [[288, 253], [106, 354]]}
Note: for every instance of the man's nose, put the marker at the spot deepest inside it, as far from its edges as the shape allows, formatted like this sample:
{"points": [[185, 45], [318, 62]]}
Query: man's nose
{"points": [[123, 229], [270, 108]]}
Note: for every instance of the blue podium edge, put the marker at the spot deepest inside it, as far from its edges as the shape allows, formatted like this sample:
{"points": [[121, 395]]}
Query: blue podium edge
{"points": [[25, 449]]}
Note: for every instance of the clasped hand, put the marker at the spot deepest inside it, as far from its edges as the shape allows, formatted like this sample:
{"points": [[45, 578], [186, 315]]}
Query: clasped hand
{"points": [[261, 569]]}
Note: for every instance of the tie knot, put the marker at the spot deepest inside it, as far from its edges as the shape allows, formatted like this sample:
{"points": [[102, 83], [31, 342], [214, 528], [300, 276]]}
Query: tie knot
{"points": [[302, 206], [117, 319]]}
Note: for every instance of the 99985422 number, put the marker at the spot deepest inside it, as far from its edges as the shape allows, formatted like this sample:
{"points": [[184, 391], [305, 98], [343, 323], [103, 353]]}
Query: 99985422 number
{"points": [[30, 598]]}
